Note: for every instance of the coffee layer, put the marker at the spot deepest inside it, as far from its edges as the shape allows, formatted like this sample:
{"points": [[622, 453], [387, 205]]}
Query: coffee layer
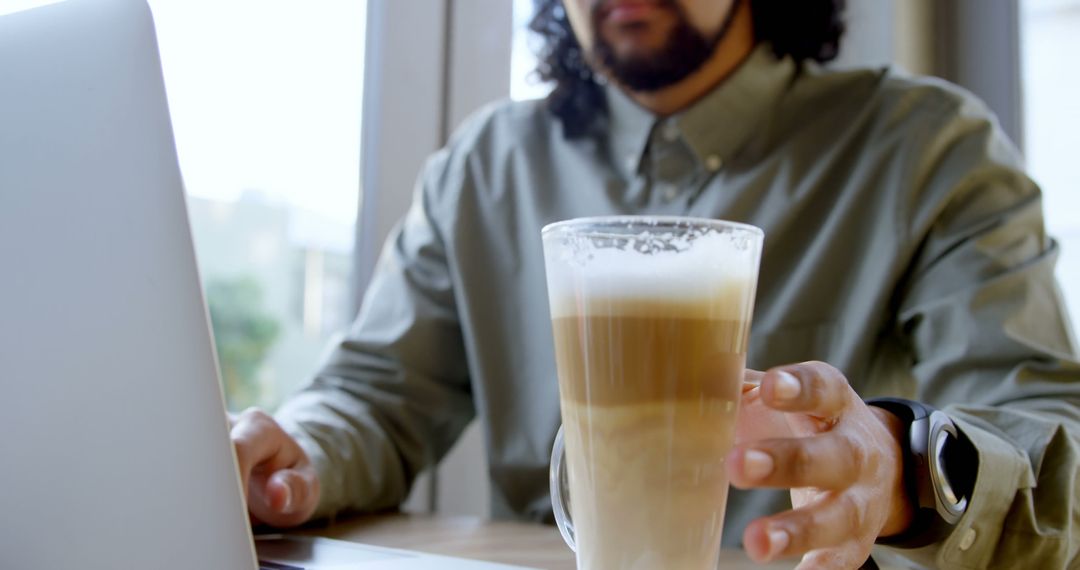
{"points": [[619, 359]]}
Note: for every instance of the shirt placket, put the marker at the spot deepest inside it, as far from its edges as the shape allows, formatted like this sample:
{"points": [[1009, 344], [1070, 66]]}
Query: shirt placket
{"points": [[672, 170]]}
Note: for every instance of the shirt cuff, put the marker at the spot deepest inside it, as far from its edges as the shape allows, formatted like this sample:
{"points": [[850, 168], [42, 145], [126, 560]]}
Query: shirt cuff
{"points": [[976, 536]]}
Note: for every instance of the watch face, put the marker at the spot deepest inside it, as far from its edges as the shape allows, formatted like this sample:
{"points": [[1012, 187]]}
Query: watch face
{"points": [[951, 503], [941, 465], [944, 488]]}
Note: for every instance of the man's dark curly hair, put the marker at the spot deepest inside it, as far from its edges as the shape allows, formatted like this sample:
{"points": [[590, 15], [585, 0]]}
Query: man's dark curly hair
{"points": [[800, 29]]}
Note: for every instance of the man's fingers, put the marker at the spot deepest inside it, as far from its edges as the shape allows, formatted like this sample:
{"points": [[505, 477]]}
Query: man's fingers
{"points": [[291, 490], [833, 521], [849, 555], [827, 461], [280, 484], [287, 497], [261, 443], [279, 493], [751, 380], [812, 387]]}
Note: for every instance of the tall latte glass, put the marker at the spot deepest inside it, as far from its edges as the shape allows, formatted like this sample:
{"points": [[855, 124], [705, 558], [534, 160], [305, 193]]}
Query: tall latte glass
{"points": [[651, 318]]}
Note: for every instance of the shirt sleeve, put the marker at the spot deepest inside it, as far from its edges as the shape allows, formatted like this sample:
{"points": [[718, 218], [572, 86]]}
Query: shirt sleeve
{"points": [[394, 394], [991, 345]]}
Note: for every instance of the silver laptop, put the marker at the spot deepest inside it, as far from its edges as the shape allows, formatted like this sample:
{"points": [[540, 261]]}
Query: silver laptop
{"points": [[114, 446]]}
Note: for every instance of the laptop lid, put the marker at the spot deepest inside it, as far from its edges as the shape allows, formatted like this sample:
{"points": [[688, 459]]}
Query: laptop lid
{"points": [[115, 447]]}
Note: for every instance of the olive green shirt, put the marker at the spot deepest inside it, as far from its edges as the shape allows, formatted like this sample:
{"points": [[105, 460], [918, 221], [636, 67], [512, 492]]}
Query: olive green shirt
{"points": [[904, 245]]}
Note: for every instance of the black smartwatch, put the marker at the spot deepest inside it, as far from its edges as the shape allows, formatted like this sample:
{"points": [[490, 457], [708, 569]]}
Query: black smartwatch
{"points": [[940, 466]]}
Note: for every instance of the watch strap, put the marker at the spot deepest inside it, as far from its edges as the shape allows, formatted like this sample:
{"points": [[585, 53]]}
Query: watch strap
{"points": [[932, 521]]}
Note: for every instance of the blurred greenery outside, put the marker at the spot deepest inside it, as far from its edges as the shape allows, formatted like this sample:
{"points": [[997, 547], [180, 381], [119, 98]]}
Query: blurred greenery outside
{"points": [[244, 332], [277, 285]]}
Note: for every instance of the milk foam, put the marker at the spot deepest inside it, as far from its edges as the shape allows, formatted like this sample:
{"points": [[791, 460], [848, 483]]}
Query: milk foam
{"points": [[710, 276]]}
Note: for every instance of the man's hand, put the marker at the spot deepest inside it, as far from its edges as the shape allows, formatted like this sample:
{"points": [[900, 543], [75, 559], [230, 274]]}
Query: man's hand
{"points": [[805, 429], [280, 484]]}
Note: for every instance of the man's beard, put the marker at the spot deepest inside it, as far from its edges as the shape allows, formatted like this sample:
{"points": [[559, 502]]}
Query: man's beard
{"points": [[684, 52]]}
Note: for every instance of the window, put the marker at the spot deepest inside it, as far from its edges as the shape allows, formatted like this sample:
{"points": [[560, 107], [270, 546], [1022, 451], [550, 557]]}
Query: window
{"points": [[265, 99], [523, 83], [1052, 123]]}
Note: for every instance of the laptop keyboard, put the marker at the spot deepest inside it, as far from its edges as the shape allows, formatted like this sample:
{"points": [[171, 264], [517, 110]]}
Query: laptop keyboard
{"points": [[263, 565]]}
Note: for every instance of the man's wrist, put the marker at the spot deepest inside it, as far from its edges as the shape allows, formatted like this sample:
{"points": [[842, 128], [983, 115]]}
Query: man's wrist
{"points": [[901, 504]]}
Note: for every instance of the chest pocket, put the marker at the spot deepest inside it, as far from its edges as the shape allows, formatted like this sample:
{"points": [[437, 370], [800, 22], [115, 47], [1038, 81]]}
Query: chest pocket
{"points": [[790, 344]]}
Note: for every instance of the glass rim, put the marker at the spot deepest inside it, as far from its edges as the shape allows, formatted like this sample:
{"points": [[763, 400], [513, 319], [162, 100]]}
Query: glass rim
{"points": [[646, 222]]}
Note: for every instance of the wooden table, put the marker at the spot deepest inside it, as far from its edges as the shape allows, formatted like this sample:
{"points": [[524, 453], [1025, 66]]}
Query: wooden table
{"points": [[522, 544]]}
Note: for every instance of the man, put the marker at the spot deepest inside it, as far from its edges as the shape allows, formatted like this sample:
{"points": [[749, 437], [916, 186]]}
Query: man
{"points": [[904, 248]]}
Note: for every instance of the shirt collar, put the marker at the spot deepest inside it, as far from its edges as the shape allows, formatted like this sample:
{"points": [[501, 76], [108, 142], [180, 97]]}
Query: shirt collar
{"points": [[717, 125]]}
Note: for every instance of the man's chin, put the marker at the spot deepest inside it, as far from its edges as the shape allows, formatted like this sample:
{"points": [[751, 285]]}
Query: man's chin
{"points": [[642, 83], [636, 57], [632, 51], [652, 57]]}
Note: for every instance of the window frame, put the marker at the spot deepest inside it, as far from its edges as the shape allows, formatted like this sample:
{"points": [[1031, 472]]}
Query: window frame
{"points": [[427, 66]]}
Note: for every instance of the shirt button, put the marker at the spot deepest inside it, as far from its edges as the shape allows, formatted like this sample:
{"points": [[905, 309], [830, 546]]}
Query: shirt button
{"points": [[714, 162], [669, 192], [968, 539], [670, 132]]}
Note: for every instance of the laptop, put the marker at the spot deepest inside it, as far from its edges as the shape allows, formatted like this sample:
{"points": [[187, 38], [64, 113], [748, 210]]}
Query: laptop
{"points": [[114, 443]]}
